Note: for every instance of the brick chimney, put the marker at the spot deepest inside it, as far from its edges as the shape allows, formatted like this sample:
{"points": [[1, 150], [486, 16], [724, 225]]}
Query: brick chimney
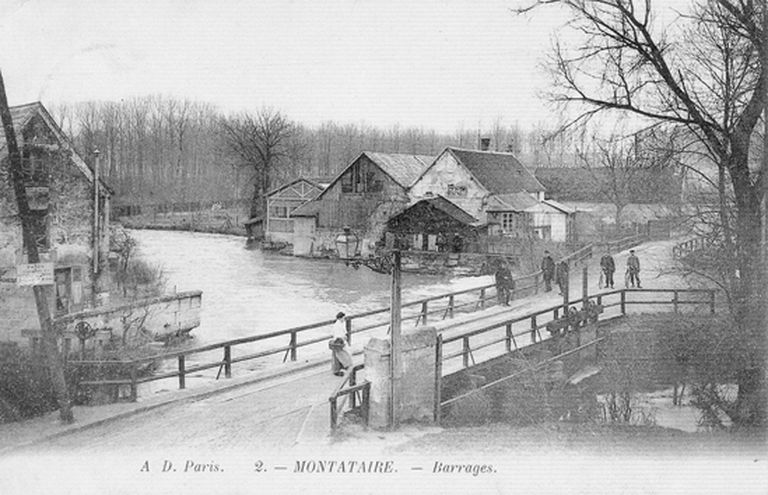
{"points": [[485, 144]]}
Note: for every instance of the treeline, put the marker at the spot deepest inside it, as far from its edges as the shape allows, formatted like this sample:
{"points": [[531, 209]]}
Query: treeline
{"points": [[156, 150]]}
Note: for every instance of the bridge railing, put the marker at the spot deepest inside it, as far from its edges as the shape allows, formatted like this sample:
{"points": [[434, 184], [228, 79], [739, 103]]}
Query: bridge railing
{"points": [[521, 331], [525, 330], [358, 394], [287, 342]]}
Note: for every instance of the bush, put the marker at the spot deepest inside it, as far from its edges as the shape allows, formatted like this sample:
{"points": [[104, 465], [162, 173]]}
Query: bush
{"points": [[25, 386]]}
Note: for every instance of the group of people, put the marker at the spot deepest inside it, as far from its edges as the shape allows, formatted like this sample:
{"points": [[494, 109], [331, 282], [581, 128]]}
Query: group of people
{"points": [[554, 271], [608, 267], [559, 272]]}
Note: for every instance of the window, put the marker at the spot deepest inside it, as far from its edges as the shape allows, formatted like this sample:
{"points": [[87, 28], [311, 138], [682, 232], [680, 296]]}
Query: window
{"points": [[508, 222], [456, 191], [279, 212], [357, 180]]}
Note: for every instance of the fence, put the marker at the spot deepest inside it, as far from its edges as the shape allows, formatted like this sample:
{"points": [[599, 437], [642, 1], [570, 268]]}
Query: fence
{"points": [[683, 249], [358, 394], [419, 312], [515, 334]]}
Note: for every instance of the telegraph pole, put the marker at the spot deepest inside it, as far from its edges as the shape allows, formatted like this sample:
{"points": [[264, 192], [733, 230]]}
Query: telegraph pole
{"points": [[42, 293], [395, 323]]}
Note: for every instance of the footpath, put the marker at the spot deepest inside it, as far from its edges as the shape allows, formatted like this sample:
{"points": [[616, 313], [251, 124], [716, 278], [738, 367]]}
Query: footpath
{"points": [[280, 407]]}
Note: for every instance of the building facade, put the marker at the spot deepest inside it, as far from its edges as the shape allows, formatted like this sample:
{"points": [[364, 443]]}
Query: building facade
{"points": [[71, 216]]}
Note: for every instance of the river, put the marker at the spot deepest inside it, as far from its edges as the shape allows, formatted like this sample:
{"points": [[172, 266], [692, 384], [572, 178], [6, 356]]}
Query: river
{"points": [[249, 292]]}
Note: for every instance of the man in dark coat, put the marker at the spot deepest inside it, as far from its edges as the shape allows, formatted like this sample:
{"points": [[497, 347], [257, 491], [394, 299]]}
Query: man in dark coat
{"points": [[561, 277], [504, 283], [633, 268], [608, 266], [548, 269]]}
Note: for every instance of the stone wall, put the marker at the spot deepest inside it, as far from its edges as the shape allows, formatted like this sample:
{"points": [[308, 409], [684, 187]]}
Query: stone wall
{"points": [[156, 318]]}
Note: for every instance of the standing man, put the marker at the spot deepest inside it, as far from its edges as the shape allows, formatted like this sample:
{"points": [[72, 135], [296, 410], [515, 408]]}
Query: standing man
{"points": [[633, 267], [504, 283], [562, 276], [608, 266], [548, 269]]}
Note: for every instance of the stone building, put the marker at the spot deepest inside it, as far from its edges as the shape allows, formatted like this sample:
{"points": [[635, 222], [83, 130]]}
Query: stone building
{"points": [[61, 190]]}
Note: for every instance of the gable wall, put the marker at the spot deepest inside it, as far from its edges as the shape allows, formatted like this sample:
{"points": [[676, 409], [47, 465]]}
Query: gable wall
{"points": [[445, 171]]}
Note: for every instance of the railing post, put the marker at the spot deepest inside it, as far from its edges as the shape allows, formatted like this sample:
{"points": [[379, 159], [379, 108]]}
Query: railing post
{"points": [[536, 283], [509, 337], [134, 391], [623, 302], [556, 313], [675, 301], [182, 383], [293, 346], [533, 329], [366, 403], [352, 383], [332, 400], [465, 352], [450, 305], [348, 326], [438, 377], [712, 302], [227, 361], [482, 298], [423, 313]]}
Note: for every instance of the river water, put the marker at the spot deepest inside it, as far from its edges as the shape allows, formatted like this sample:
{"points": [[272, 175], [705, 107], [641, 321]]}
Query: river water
{"points": [[249, 292]]}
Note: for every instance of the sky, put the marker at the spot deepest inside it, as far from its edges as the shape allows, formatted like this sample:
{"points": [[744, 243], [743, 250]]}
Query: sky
{"points": [[436, 64]]}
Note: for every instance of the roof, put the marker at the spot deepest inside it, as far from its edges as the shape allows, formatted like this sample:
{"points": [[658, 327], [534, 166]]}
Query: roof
{"points": [[500, 173], [295, 181], [559, 206], [404, 169], [21, 116], [511, 202], [446, 206]]}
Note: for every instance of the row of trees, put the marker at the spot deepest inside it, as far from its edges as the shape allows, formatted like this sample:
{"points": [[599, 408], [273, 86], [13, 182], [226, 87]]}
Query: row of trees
{"points": [[163, 150]]}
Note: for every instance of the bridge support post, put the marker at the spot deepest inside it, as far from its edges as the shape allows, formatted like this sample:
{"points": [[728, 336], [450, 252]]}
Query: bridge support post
{"points": [[450, 306], [424, 309], [533, 329], [438, 378], [134, 391], [416, 388], [623, 302]]}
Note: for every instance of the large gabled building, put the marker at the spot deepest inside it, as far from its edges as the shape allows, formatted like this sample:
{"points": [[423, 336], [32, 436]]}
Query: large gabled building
{"points": [[363, 196]]}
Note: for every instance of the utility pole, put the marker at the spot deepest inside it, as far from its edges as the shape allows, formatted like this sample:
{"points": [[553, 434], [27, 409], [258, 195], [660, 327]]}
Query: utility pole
{"points": [[395, 323], [42, 292], [96, 236]]}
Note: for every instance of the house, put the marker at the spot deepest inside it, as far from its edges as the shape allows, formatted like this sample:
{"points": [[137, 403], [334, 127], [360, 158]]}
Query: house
{"points": [[72, 227], [430, 225], [363, 196], [281, 203], [498, 190]]}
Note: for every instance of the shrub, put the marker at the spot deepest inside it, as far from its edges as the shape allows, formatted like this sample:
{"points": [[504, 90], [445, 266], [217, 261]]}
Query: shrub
{"points": [[25, 387]]}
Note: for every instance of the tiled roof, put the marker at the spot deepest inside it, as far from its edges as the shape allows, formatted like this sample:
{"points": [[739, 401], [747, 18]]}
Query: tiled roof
{"points": [[449, 208], [511, 202], [500, 173], [404, 169], [20, 114]]}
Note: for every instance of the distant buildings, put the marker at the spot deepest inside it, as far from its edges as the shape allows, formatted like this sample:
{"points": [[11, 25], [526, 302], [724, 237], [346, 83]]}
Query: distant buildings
{"points": [[70, 234]]}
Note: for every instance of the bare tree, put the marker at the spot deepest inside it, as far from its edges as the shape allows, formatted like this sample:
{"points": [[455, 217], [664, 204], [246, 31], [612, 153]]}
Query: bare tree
{"points": [[261, 142], [707, 77], [624, 169]]}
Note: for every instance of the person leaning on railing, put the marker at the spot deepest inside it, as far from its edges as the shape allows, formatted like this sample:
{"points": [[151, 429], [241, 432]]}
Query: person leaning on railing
{"points": [[340, 358]]}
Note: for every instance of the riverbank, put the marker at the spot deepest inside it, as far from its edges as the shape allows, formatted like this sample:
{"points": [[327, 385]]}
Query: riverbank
{"points": [[229, 222]]}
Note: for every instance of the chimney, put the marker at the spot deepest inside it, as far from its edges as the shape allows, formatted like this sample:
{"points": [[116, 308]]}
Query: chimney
{"points": [[485, 144]]}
